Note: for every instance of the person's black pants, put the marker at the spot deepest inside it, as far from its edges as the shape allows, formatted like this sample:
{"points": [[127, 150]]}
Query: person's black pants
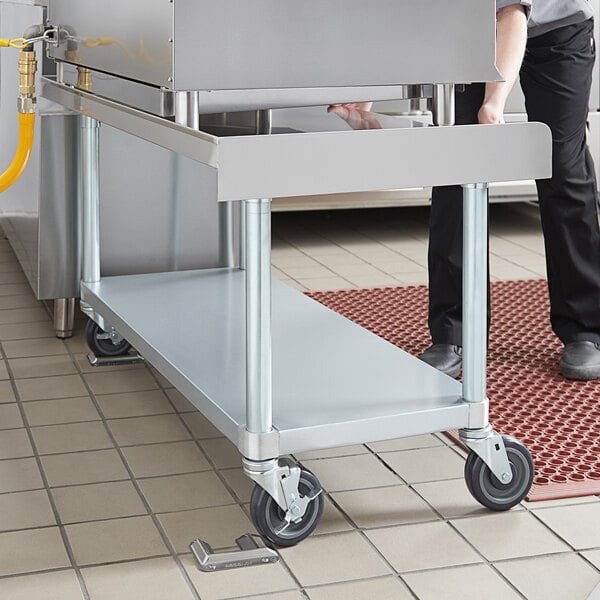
{"points": [[556, 78]]}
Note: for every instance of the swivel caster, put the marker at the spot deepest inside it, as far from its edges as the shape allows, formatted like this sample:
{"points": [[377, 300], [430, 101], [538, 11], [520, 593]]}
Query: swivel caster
{"points": [[102, 343], [487, 489], [270, 519]]}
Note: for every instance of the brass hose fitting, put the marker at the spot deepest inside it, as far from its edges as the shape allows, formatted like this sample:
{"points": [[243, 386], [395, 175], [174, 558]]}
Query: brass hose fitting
{"points": [[84, 75], [27, 67]]}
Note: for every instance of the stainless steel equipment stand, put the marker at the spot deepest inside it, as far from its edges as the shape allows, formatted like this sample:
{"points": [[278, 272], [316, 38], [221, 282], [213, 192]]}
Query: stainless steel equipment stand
{"points": [[232, 339]]}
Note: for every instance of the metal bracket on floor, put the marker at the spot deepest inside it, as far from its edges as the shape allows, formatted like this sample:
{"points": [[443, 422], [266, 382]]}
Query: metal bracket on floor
{"points": [[252, 551], [108, 361]]}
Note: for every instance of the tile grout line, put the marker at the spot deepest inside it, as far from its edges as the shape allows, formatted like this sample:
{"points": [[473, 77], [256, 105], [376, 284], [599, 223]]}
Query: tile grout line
{"points": [[60, 526], [137, 488]]}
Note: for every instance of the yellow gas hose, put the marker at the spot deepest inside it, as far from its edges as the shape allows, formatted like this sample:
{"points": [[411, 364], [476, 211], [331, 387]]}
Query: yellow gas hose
{"points": [[26, 124], [26, 104]]}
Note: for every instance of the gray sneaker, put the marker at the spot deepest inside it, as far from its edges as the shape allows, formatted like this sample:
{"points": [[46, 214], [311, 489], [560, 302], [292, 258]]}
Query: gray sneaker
{"points": [[446, 358], [580, 361]]}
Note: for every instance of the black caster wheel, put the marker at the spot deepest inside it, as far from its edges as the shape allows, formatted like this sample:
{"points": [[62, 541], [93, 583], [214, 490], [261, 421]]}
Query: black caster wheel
{"points": [[269, 518], [487, 489], [103, 346]]}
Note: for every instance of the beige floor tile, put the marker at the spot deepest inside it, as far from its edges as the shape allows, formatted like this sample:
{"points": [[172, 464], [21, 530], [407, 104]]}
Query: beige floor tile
{"points": [[427, 464], [62, 411], [295, 285], [73, 437], [3, 371], [461, 583], [571, 523], [134, 404], [332, 452], [56, 585], [593, 556], [15, 289], [200, 426], [97, 502], [326, 283], [332, 521], [46, 388], [39, 347], [148, 430], [222, 453], [32, 550], [358, 269], [296, 595], [18, 301], [374, 280], [155, 579], [408, 443], [422, 546], [136, 380], [220, 526], [184, 492], [179, 401], [6, 392], [451, 498], [25, 510], [352, 473], [551, 577], [160, 378], [24, 331], [239, 482], [509, 535], [19, 475], [22, 315], [378, 507], [333, 558], [335, 261], [165, 459], [14, 443], [42, 366], [259, 580], [309, 272], [115, 540], [10, 416], [384, 588], [83, 467]]}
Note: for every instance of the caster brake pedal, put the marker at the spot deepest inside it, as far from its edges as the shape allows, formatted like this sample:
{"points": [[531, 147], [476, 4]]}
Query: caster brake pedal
{"points": [[252, 551]]}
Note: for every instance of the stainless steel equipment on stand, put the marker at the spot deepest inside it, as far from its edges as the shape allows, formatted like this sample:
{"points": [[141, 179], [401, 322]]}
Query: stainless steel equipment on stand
{"points": [[276, 372]]}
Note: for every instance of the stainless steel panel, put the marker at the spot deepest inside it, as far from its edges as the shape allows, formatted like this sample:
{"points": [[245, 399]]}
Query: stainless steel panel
{"points": [[352, 161], [333, 382], [274, 44], [141, 30]]}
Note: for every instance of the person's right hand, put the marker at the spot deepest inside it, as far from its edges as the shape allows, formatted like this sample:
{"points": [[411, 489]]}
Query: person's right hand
{"points": [[490, 114], [357, 114]]}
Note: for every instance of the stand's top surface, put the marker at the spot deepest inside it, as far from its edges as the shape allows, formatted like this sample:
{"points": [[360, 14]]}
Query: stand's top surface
{"points": [[293, 161]]}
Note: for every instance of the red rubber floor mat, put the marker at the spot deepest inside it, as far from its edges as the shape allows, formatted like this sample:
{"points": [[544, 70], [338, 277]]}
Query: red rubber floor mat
{"points": [[558, 420]]}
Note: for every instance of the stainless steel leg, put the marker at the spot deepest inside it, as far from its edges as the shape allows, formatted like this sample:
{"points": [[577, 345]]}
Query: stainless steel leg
{"points": [[89, 185], [474, 292], [64, 317], [258, 316], [479, 437], [442, 106]]}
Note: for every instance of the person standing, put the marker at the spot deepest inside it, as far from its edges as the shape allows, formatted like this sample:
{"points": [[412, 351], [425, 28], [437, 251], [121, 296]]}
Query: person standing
{"points": [[556, 76]]}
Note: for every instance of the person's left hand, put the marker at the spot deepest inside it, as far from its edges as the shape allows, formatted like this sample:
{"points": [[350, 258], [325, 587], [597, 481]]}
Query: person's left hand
{"points": [[490, 114], [357, 114]]}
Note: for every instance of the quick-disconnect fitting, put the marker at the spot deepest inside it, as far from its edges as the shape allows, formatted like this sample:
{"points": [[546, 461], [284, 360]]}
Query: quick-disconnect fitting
{"points": [[27, 67]]}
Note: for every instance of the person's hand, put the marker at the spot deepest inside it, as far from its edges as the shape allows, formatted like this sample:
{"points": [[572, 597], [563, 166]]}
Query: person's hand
{"points": [[490, 113], [357, 114]]}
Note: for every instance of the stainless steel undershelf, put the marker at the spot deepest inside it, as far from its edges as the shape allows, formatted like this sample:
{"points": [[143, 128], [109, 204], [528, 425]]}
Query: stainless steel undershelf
{"points": [[334, 383]]}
